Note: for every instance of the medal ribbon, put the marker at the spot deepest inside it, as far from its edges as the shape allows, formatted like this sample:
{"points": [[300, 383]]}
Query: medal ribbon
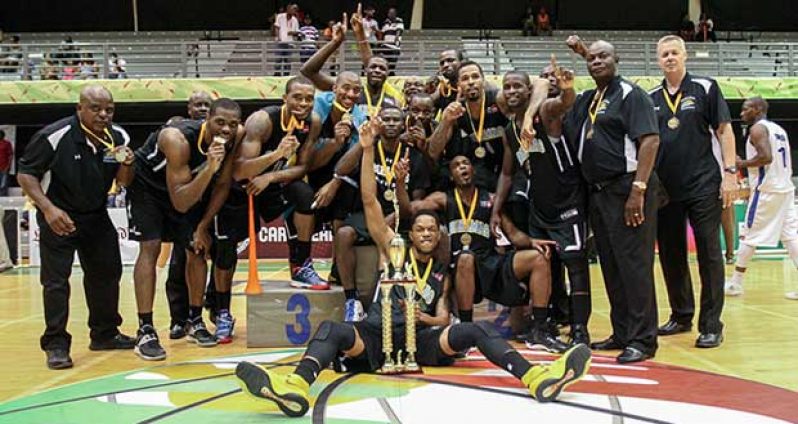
{"points": [[421, 281], [389, 174], [340, 107], [108, 145], [597, 98], [672, 105], [524, 145], [373, 111], [478, 132], [293, 123], [199, 139], [474, 201]]}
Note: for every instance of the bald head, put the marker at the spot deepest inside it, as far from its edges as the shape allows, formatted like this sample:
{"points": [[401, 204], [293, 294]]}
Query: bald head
{"points": [[95, 108], [199, 103], [347, 89], [754, 109], [759, 103]]}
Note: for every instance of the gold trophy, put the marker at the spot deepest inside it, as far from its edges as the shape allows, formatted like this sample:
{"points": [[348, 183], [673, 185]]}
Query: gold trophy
{"points": [[398, 275]]}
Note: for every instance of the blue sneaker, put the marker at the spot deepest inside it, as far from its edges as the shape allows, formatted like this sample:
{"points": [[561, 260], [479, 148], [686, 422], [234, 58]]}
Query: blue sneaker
{"points": [[353, 311], [225, 326], [305, 277]]}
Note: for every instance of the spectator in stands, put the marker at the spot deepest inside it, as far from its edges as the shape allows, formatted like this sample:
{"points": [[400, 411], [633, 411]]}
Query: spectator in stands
{"points": [[528, 23], [308, 38], [6, 159], [705, 30], [286, 27], [687, 28], [328, 32], [49, 69], [70, 70], [272, 19], [12, 55], [371, 27], [117, 67], [543, 22], [392, 30], [88, 67]]}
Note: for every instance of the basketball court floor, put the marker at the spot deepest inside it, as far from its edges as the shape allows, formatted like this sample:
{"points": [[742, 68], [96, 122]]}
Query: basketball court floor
{"points": [[752, 378]]}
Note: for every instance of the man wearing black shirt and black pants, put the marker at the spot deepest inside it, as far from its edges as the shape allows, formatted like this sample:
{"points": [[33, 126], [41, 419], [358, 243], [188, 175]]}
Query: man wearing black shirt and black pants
{"points": [[692, 112], [618, 139], [67, 170]]}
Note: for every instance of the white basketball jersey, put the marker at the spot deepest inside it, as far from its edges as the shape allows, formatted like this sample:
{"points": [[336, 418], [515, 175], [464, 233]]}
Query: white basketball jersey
{"points": [[776, 177]]}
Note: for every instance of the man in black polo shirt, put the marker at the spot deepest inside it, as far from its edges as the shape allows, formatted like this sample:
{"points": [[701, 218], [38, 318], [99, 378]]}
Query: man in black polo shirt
{"points": [[67, 170], [617, 134], [692, 112]]}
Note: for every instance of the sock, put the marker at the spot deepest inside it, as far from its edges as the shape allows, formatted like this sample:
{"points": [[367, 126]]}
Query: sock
{"points": [[792, 250], [744, 254], [145, 319], [222, 301], [489, 342], [194, 314], [350, 294], [302, 252], [308, 369], [466, 316], [539, 314], [292, 255]]}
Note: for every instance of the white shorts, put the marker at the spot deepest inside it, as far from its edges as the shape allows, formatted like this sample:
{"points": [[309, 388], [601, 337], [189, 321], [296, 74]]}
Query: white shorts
{"points": [[770, 217]]}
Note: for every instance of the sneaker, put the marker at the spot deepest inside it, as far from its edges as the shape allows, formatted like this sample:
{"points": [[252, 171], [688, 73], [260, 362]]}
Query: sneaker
{"points": [[791, 295], [148, 347], [353, 311], [199, 334], [546, 382], [289, 392], [541, 339], [177, 331], [579, 335], [225, 326], [305, 277], [120, 341], [733, 288]]}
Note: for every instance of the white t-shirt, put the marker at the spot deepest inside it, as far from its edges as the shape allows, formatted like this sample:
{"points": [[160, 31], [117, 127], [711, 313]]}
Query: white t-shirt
{"points": [[284, 26], [370, 28], [776, 177]]}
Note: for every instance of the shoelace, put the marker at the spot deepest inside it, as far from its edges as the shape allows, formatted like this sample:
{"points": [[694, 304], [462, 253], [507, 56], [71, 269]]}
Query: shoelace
{"points": [[146, 338]]}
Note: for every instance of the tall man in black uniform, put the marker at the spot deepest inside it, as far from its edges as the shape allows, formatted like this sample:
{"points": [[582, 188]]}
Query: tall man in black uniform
{"points": [[692, 114], [183, 176], [480, 271], [353, 231], [557, 206], [616, 129], [437, 341], [176, 289], [67, 170], [266, 159]]}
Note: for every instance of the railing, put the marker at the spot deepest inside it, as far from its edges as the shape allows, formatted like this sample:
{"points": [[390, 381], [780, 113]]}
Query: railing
{"points": [[419, 56]]}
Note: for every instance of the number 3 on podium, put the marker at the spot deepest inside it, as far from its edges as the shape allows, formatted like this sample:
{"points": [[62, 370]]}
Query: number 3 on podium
{"points": [[299, 303]]}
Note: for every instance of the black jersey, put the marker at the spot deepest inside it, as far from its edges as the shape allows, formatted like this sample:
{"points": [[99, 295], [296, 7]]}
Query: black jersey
{"points": [[556, 188], [270, 144], [464, 142], [427, 300], [324, 174], [479, 227]]}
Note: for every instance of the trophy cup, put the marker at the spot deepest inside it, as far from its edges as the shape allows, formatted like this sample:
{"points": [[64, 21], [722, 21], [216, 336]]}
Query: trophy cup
{"points": [[399, 274]]}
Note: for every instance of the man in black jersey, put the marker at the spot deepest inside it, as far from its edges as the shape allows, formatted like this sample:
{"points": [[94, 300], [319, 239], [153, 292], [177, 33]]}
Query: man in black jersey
{"points": [[183, 175], [480, 271], [67, 170], [176, 289], [617, 137], [374, 94], [438, 342], [353, 231], [557, 205], [268, 161], [446, 89]]}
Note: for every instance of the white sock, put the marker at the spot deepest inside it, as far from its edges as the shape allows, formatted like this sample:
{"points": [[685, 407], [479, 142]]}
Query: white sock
{"points": [[744, 255], [792, 250]]}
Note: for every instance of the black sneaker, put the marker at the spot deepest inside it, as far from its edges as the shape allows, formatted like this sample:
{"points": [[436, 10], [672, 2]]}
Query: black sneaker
{"points": [[58, 359], [199, 334], [120, 341], [541, 339], [148, 347], [177, 331], [579, 335]]}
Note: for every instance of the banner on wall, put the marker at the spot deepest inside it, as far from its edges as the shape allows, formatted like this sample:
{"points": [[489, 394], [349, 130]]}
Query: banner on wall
{"points": [[273, 242], [128, 249]]}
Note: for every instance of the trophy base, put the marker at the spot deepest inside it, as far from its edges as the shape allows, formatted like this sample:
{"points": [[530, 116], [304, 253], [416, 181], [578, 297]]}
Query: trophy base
{"points": [[400, 370]]}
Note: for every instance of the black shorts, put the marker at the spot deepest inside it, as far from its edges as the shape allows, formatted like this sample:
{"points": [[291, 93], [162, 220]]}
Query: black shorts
{"points": [[427, 343], [151, 216], [341, 206], [357, 220], [495, 279], [517, 209], [570, 237]]}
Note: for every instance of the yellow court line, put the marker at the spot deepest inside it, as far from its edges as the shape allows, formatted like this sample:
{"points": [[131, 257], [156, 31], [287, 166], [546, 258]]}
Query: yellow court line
{"points": [[766, 312], [27, 318]]}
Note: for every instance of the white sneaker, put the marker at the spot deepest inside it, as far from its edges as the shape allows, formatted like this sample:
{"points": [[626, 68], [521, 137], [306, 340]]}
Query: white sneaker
{"points": [[733, 288], [791, 295]]}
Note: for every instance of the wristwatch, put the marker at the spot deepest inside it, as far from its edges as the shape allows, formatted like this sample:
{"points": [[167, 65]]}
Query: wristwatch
{"points": [[640, 185], [730, 169]]}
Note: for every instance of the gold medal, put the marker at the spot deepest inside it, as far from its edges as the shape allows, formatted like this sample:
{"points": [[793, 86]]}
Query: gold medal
{"points": [[479, 152], [120, 155], [673, 123], [389, 195], [346, 117], [465, 239]]}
